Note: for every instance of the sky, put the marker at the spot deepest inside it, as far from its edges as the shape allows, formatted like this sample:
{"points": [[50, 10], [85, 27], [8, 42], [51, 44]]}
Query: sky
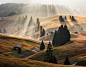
{"points": [[58, 2]]}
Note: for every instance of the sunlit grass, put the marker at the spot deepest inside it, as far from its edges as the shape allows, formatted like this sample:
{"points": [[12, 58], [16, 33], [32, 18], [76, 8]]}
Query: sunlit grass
{"points": [[7, 44], [12, 62], [72, 49]]}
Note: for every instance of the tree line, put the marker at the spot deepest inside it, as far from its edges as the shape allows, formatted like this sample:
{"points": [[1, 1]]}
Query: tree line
{"points": [[61, 36], [10, 9]]}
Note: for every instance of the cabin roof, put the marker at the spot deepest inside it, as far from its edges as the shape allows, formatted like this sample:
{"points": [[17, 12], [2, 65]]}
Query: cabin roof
{"points": [[20, 46]]}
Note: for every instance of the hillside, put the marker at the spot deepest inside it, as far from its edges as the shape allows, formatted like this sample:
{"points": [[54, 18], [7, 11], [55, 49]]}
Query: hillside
{"points": [[73, 49], [21, 28], [7, 53], [8, 42], [13, 26], [13, 62]]}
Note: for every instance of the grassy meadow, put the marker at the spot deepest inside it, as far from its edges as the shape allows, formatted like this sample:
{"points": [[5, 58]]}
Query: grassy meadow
{"points": [[7, 43]]}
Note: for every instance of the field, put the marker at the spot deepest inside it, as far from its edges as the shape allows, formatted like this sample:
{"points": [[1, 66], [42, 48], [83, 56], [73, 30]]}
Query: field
{"points": [[8, 42], [50, 24], [9, 57], [74, 49], [14, 62]]}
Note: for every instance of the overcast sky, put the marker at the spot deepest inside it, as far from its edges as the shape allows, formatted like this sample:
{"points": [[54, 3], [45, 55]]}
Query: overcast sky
{"points": [[60, 2]]}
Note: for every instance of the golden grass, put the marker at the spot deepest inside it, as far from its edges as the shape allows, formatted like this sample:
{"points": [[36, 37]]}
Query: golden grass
{"points": [[74, 35], [73, 50], [12, 62], [51, 23], [7, 43], [10, 42], [38, 56]]}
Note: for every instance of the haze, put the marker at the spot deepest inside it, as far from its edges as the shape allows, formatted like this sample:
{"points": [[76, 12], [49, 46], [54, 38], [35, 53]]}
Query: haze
{"points": [[71, 3]]}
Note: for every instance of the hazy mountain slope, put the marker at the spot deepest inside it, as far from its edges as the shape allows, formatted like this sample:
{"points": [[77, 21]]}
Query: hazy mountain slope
{"points": [[20, 27]]}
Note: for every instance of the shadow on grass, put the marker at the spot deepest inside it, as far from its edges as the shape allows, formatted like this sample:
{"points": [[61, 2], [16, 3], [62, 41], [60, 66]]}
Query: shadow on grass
{"points": [[16, 54]]}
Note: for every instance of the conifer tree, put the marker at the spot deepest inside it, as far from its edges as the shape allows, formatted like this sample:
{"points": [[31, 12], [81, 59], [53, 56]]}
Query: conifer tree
{"points": [[31, 22], [42, 46], [43, 32], [54, 39], [49, 57], [61, 19], [66, 62], [65, 18], [38, 23], [61, 37], [37, 20], [73, 19]]}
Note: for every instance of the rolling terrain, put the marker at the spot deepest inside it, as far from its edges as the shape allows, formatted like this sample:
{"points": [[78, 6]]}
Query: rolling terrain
{"points": [[10, 58], [22, 29], [8, 42], [16, 62], [74, 49]]}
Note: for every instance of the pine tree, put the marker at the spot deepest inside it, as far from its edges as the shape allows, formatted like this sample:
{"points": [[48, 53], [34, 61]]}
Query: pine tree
{"points": [[54, 39], [43, 32], [61, 37], [37, 20], [49, 46], [31, 22], [73, 19], [38, 23], [61, 19], [49, 57], [66, 62], [42, 46], [65, 18]]}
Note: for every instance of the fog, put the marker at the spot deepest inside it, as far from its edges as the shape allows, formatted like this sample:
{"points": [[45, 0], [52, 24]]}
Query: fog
{"points": [[70, 3]]}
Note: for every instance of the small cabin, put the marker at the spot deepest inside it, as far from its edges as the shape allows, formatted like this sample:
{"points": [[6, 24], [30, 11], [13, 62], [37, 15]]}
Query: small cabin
{"points": [[17, 46]]}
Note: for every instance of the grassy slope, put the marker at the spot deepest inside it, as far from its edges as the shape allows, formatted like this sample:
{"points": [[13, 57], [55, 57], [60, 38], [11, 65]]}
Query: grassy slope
{"points": [[7, 43], [10, 62], [82, 62], [6, 49], [73, 50]]}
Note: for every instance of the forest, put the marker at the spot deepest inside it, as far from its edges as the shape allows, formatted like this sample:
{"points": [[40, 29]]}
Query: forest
{"points": [[10, 9]]}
